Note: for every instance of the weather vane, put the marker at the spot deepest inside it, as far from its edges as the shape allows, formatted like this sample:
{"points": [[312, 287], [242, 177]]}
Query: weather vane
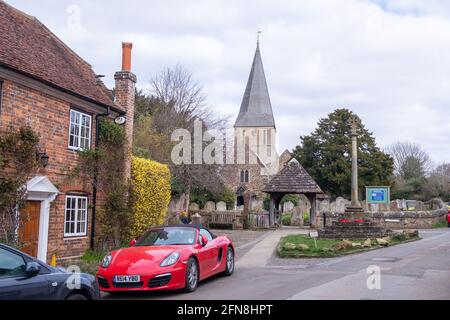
{"points": [[258, 34]]}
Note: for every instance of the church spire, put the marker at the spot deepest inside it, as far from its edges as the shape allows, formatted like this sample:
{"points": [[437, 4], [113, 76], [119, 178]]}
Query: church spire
{"points": [[256, 108]]}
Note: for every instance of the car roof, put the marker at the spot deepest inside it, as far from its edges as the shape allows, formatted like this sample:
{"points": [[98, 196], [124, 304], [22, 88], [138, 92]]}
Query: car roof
{"points": [[23, 254], [195, 226], [192, 226]]}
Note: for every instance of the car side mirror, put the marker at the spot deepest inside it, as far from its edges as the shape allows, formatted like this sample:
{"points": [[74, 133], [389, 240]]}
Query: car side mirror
{"points": [[204, 240], [132, 242], [32, 269]]}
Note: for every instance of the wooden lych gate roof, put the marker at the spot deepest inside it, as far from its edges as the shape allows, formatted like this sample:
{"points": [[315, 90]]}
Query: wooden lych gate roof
{"points": [[293, 178]]}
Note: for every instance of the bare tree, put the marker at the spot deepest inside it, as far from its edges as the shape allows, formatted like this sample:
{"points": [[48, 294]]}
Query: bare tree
{"points": [[438, 184], [182, 99], [410, 160], [176, 100]]}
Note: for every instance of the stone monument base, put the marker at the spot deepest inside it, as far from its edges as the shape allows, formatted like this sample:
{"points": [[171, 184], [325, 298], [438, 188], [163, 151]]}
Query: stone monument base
{"points": [[353, 225]]}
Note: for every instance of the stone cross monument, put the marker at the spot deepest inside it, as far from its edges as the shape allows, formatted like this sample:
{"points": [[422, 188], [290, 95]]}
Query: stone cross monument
{"points": [[354, 134], [353, 224], [354, 211]]}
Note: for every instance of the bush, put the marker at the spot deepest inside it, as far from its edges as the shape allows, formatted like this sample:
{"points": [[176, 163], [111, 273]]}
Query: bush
{"points": [[286, 219], [400, 237], [306, 218], [150, 194]]}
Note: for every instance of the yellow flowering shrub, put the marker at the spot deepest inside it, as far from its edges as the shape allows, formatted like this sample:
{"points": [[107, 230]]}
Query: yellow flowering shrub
{"points": [[150, 194]]}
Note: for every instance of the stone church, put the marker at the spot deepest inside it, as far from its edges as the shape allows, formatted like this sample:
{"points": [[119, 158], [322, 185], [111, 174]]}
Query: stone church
{"points": [[255, 141]]}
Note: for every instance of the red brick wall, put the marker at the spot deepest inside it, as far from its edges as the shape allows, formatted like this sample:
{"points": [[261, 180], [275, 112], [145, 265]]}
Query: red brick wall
{"points": [[49, 118]]}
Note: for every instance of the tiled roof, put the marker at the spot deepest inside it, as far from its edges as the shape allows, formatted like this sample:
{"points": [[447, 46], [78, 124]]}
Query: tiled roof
{"points": [[27, 46], [256, 108], [293, 178]]}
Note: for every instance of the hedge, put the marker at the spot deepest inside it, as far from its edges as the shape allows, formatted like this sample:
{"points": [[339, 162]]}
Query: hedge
{"points": [[150, 194]]}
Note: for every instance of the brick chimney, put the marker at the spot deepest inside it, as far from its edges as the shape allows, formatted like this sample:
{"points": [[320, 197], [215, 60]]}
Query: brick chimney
{"points": [[125, 94]]}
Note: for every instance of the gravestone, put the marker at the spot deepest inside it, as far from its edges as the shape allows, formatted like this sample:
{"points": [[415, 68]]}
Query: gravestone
{"points": [[401, 204], [221, 206], [394, 206], [210, 206], [257, 204], [411, 205], [194, 207], [297, 217], [324, 206], [420, 206], [341, 204], [288, 206], [305, 207]]}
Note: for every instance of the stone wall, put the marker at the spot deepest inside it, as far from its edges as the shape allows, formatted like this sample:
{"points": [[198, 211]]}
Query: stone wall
{"points": [[395, 219]]}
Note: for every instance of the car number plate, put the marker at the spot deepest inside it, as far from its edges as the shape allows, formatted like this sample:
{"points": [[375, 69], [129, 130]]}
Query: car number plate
{"points": [[127, 279]]}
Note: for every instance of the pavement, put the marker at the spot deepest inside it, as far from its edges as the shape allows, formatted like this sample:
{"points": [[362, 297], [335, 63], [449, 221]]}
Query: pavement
{"points": [[416, 270]]}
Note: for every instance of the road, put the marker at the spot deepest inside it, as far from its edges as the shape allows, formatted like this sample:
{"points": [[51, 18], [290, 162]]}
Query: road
{"points": [[417, 270]]}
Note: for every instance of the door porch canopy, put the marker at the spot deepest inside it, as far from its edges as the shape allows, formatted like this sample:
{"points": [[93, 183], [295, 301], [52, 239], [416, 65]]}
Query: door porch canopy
{"points": [[292, 179]]}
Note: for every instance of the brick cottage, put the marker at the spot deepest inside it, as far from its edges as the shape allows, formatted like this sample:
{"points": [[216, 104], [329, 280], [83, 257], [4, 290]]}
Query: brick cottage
{"points": [[47, 86]]}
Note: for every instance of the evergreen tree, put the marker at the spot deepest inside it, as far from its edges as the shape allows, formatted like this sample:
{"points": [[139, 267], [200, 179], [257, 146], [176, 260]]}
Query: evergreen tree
{"points": [[326, 155]]}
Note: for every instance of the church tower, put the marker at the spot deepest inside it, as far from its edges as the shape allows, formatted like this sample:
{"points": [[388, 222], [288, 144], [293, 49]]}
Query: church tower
{"points": [[255, 156], [255, 125]]}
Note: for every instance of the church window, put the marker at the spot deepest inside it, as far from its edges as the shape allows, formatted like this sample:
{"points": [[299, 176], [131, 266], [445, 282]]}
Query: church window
{"points": [[245, 176]]}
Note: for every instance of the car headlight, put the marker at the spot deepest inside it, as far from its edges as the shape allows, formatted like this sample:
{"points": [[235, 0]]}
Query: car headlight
{"points": [[106, 261], [170, 260]]}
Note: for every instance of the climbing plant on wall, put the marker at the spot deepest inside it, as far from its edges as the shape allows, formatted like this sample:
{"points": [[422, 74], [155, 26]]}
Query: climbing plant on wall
{"points": [[104, 166], [17, 164]]}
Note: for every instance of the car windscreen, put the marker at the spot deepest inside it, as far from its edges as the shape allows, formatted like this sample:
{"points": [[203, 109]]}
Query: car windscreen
{"points": [[167, 236]]}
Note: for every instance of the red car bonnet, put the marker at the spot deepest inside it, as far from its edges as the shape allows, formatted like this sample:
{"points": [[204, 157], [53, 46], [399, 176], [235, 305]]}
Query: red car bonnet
{"points": [[136, 258]]}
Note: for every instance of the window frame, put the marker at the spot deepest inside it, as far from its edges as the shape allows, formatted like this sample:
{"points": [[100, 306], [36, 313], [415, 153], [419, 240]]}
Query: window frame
{"points": [[79, 136], [76, 232], [244, 176]]}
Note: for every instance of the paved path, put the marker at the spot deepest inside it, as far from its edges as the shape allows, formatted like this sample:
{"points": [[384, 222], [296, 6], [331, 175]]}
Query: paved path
{"points": [[260, 254], [417, 270]]}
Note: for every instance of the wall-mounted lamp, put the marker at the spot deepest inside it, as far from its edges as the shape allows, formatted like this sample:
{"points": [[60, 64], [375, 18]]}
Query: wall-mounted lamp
{"points": [[42, 157]]}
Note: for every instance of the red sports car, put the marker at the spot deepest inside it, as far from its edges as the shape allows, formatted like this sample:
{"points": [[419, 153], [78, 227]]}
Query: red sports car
{"points": [[167, 258]]}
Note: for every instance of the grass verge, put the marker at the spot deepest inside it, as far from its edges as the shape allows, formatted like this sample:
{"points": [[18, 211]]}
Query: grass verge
{"points": [[302, 246]]}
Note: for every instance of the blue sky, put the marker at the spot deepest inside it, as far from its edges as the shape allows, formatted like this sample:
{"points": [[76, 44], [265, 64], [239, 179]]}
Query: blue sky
{"points": [[386, 60]]}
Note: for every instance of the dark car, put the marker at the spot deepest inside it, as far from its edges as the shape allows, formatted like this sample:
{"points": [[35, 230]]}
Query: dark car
{"points": [[23, 277]]}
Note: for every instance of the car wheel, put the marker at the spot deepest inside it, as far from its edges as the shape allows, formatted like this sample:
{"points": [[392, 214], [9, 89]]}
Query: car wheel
{"points": [[191, 275], [76, 296], [229, 269]]}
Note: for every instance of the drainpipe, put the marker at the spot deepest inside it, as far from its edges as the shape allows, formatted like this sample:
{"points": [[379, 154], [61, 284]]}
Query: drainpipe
{"points": [[95, 180]]}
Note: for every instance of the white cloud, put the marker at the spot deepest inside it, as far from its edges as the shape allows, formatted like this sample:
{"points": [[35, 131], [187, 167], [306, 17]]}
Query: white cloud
{"points": [[387, 60]]}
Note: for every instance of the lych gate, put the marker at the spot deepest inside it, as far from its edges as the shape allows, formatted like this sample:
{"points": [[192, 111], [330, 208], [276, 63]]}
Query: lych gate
{"points": [[292, 179]]}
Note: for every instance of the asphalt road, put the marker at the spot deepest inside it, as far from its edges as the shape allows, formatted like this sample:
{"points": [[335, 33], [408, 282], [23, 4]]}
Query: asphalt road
{"points": [[417, 270]]}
